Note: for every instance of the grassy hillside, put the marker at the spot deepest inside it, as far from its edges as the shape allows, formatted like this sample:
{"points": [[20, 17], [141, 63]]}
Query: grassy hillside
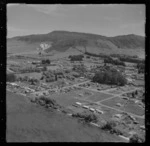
{"points": [[29, 123], [61, 41]]}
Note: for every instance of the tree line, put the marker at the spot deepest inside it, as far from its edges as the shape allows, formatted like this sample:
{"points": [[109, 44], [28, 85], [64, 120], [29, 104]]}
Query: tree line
{"points": [[112, 61]]}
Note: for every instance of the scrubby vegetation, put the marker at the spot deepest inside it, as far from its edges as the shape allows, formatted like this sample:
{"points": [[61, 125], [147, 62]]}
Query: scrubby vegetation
{"points": [[46, 102], [110, 126], [86, 117], [49, 76]]}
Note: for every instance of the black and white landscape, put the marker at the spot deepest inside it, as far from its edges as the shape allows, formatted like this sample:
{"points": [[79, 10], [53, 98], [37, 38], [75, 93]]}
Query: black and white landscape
{"points": [[75, 73]]}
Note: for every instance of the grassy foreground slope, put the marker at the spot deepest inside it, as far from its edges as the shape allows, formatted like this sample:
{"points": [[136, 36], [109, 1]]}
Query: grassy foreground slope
{"points": [[29, 123]]}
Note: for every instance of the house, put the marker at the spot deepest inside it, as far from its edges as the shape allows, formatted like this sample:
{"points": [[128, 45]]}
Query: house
{"points": [[86, 107], [36, 62], [78, 103], [14, 84], [92, 109], [142, 127], [99, 111], [119, 104], [118, 116], [126, 98]]}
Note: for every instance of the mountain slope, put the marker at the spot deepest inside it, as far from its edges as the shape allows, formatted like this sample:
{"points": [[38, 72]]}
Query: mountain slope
{"points": [[63, 40]]}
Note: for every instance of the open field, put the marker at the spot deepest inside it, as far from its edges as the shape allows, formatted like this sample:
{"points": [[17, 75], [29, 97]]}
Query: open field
{"points": [[98, 96], [128, 106]]}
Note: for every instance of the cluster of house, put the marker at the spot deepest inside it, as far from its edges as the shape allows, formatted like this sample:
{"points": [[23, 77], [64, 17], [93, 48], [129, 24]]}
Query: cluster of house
{"points": [[26, 89]]}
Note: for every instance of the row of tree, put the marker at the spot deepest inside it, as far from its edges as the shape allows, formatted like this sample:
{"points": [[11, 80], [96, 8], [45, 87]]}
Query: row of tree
{"points": [[112, 61], [76, 57], [123, 55], [130, 59], [96, 55]]}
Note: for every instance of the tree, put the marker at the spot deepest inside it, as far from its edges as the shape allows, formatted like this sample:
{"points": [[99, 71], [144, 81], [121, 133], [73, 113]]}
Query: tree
{"points": [[48, 61], [109, 76], [11, 77], [109, 126]]}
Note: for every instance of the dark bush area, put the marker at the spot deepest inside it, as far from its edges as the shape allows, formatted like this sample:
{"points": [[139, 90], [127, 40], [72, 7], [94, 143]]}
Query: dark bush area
{"points": [[131, 59], [76, 57], [112, 61], [46, 61], [49, 76], [109, 126], [110, 76], [46, 102], [86, 117], [11, 77]]}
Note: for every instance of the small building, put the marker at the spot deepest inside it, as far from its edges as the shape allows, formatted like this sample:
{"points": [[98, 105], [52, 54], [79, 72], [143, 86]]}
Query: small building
{"points": [[86, 107], [118, 116], [78, 103], [14, 84], [124, 97], [142, 127], [99, 111], [92, 109], [119, 104]]}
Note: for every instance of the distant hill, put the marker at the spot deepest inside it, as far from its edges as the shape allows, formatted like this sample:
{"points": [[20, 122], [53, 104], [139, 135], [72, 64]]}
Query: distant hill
{"points": [[62, 41]]}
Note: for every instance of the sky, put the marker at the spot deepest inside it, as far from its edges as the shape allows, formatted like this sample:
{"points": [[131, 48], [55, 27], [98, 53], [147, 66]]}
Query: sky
{"points": [[102, 19]]}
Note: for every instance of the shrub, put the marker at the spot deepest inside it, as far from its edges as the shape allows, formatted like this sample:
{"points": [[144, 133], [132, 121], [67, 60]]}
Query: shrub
{"points": [[109, 126]]}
